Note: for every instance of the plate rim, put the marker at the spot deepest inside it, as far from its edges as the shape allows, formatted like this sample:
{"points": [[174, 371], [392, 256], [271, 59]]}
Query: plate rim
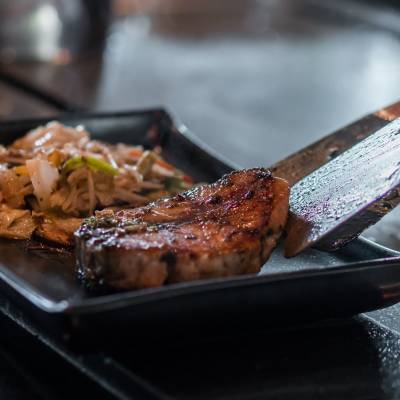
{"points": [[112, 301]]}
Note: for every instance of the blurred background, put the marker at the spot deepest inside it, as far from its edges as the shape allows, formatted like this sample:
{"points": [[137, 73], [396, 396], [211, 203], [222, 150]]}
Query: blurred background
{"points": [[255, 79]]}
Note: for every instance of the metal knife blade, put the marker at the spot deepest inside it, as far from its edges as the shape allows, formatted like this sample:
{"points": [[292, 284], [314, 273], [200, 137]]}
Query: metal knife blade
{"points": [[318, 217], [333, 204]]}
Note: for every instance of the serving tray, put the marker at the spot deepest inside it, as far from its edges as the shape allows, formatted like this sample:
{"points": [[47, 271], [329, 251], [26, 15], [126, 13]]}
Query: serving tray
{"points": [[361, 277]]}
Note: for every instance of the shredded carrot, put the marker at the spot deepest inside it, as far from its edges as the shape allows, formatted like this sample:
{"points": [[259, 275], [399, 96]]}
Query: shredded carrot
{"points": [[163, 164], [187, 179], [54, 158], [136, 153], [21, 170]]}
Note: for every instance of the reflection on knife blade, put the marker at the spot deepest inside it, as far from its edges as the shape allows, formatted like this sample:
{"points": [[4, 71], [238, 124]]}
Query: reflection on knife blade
{"points": [[332, 205]]}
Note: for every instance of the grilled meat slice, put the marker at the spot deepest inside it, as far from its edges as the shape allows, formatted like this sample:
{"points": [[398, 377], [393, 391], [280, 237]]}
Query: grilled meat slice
{"points": [[223, 229]]}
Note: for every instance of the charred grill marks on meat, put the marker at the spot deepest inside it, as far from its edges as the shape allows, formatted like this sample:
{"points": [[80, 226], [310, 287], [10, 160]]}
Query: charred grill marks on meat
{"points": [[223, 229]]}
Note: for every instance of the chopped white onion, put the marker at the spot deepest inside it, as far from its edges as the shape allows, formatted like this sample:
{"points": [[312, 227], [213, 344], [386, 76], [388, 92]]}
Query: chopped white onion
{"points": [[44, 178]]}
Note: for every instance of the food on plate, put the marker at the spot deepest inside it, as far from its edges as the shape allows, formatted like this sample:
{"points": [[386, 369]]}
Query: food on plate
{"points": [[223, 229], [128, 213], [55, 176]]}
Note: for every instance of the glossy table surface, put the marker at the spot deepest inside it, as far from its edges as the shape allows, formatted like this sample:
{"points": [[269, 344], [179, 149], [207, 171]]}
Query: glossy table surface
{"points": [[255, 80]]}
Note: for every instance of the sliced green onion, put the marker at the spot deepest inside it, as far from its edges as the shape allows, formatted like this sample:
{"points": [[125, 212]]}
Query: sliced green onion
{"points": [[97, 164], [73, 163], [175, 183], [94, 163]]}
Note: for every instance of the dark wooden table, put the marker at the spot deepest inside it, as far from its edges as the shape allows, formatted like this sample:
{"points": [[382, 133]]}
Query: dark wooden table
{"points": [[255, 80]]}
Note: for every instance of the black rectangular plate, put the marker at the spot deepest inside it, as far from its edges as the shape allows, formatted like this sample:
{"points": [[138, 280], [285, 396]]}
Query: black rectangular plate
{"points": [[312, 286]]}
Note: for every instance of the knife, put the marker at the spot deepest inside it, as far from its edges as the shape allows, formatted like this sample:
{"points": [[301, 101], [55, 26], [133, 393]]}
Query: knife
{"points": [[343, 183]]}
